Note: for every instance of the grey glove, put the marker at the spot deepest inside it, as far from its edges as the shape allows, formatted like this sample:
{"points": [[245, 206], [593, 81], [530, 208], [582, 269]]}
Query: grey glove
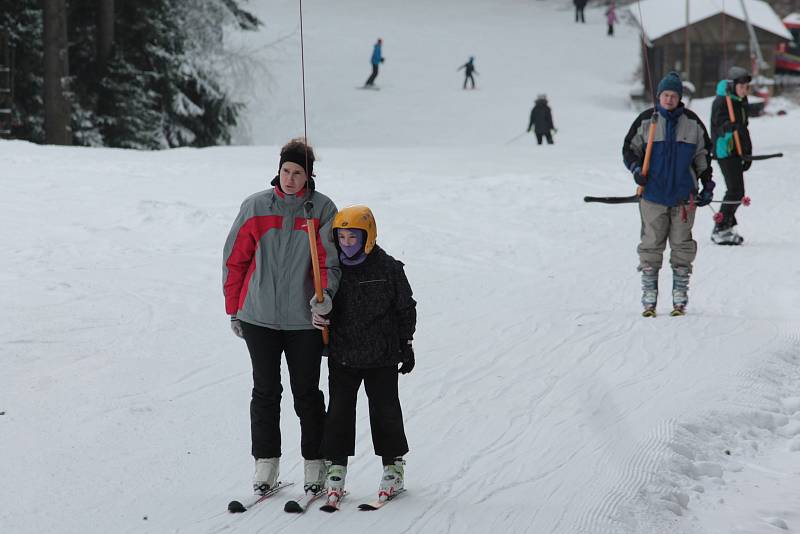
{"points": [[319, 322], [236, 326], [321, 308]]}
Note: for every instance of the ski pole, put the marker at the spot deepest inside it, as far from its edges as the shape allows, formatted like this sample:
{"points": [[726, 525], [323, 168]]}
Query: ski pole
{"points": [[732, 116], [613, 200], [312, 243], [762, 156], [515, 138]]}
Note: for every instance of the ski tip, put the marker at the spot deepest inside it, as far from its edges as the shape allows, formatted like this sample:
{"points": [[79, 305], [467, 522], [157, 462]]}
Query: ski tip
{"points": [[235, 507], [366, 507], [293, 507], [328, 508]]}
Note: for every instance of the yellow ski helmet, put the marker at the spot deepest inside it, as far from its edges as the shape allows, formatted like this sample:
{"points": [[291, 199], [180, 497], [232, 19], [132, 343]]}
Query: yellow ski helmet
{"points": [[359, 217]]}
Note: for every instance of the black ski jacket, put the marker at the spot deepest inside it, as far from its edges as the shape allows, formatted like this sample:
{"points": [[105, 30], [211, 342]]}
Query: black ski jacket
{"points": [[541, 118], [374, 314], [721, 127]]}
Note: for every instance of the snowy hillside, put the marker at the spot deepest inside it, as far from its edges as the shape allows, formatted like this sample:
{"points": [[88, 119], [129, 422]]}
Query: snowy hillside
{"points": [[541, 401]]}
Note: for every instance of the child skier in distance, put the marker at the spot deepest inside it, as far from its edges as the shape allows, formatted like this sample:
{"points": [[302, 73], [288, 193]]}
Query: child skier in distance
{"points": [[371, 329]]}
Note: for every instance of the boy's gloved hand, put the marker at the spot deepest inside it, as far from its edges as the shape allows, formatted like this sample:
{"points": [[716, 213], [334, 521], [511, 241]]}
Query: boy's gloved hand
{"points": [[321, 308], [746, 164], [407, 362], [707, 194], [236, 326], [638, 177], [319, 321]]}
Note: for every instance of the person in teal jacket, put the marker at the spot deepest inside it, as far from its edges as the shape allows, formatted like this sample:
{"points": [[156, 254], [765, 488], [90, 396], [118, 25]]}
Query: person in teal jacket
{"points": [[732, 164], [377, 59]]}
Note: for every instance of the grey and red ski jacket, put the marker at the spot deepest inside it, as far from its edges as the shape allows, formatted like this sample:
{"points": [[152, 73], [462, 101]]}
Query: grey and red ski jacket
{"points": [[266, 273]]}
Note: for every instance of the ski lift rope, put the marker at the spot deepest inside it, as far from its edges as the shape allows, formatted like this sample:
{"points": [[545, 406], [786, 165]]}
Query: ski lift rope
{"points": [[645, 51], [303, 82]]}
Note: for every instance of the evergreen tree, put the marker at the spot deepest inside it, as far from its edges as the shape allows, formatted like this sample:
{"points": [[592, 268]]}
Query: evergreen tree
{"points": [[22, 19], [163, 87]]}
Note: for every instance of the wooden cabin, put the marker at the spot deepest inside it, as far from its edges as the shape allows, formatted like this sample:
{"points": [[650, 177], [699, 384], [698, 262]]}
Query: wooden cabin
{"points": [[717, 39]]}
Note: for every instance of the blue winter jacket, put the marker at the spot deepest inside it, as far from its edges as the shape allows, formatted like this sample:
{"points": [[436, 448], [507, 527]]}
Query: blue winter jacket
{"points": [[376, 54], [681, 154]]}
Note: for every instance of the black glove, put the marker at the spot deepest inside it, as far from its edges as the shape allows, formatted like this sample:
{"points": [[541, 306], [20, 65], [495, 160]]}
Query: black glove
{"points": [[746, 163], [728, 126], [407, 359], [638, 177], [383, 59], [706, 194]]}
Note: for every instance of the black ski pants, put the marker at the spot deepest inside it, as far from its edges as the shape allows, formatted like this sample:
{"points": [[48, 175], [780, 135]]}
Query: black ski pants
{"points": [[385, 414], [733, 172], [469, 78], [547, 135], [579, 17], [371, 79], [303, 349]]}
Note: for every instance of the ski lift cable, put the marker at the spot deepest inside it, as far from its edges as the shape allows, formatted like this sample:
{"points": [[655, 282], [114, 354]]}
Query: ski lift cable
{"points": [[303, 82]]}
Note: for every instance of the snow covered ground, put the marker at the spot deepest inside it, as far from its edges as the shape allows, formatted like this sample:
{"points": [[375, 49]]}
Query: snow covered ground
{"points": [[541, 401]]}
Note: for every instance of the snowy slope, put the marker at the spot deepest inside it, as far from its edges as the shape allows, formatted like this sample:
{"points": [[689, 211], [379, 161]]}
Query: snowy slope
{"points": [[541, 401]]}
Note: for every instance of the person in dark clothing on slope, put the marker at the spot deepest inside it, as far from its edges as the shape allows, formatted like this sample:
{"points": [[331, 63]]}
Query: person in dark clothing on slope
{"points": [[580, 5], [371, 330], [469, 68], [542, 120], [375, 61], [731, 163]]}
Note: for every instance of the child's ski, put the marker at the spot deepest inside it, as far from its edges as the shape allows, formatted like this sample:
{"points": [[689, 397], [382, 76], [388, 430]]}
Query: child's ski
{"points": [[333, 502], [301, 505], [236, 507], [380, 502]]}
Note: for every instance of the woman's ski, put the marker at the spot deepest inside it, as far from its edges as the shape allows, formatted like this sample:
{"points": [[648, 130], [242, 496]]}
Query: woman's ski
{"points": [[237, 507]]}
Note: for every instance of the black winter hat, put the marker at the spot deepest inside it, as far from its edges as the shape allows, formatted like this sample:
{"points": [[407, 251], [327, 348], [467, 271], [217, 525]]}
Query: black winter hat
{"points": [[739, 75]]}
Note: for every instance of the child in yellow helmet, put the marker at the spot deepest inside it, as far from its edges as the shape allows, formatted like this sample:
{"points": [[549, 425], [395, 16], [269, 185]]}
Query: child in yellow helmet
{"points": [[371, 329]]}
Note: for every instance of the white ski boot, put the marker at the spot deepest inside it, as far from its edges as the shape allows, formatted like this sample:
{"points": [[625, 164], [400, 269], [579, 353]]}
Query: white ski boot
{"points": [[266, 475], [392, 480], [649, 290], [727, 236], [334, 482], [315, 472], [680, 290]]}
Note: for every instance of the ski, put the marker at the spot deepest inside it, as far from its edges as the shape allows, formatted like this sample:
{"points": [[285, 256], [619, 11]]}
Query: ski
{"points": [[380, 502], [237, 507], [649, 312], [677, 312], [301, 505], [332, 503]]}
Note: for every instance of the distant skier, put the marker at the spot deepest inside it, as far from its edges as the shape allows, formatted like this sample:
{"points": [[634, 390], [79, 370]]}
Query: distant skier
{"points": [[371, 329], [541, 121], [611, 17], [580, 5], [469, 68], [267, 287], [376, 59], [681, 154], [732, 165]]}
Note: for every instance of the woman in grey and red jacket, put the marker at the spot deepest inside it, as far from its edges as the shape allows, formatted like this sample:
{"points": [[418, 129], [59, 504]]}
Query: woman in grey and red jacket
{"points": [[268, 284]]}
